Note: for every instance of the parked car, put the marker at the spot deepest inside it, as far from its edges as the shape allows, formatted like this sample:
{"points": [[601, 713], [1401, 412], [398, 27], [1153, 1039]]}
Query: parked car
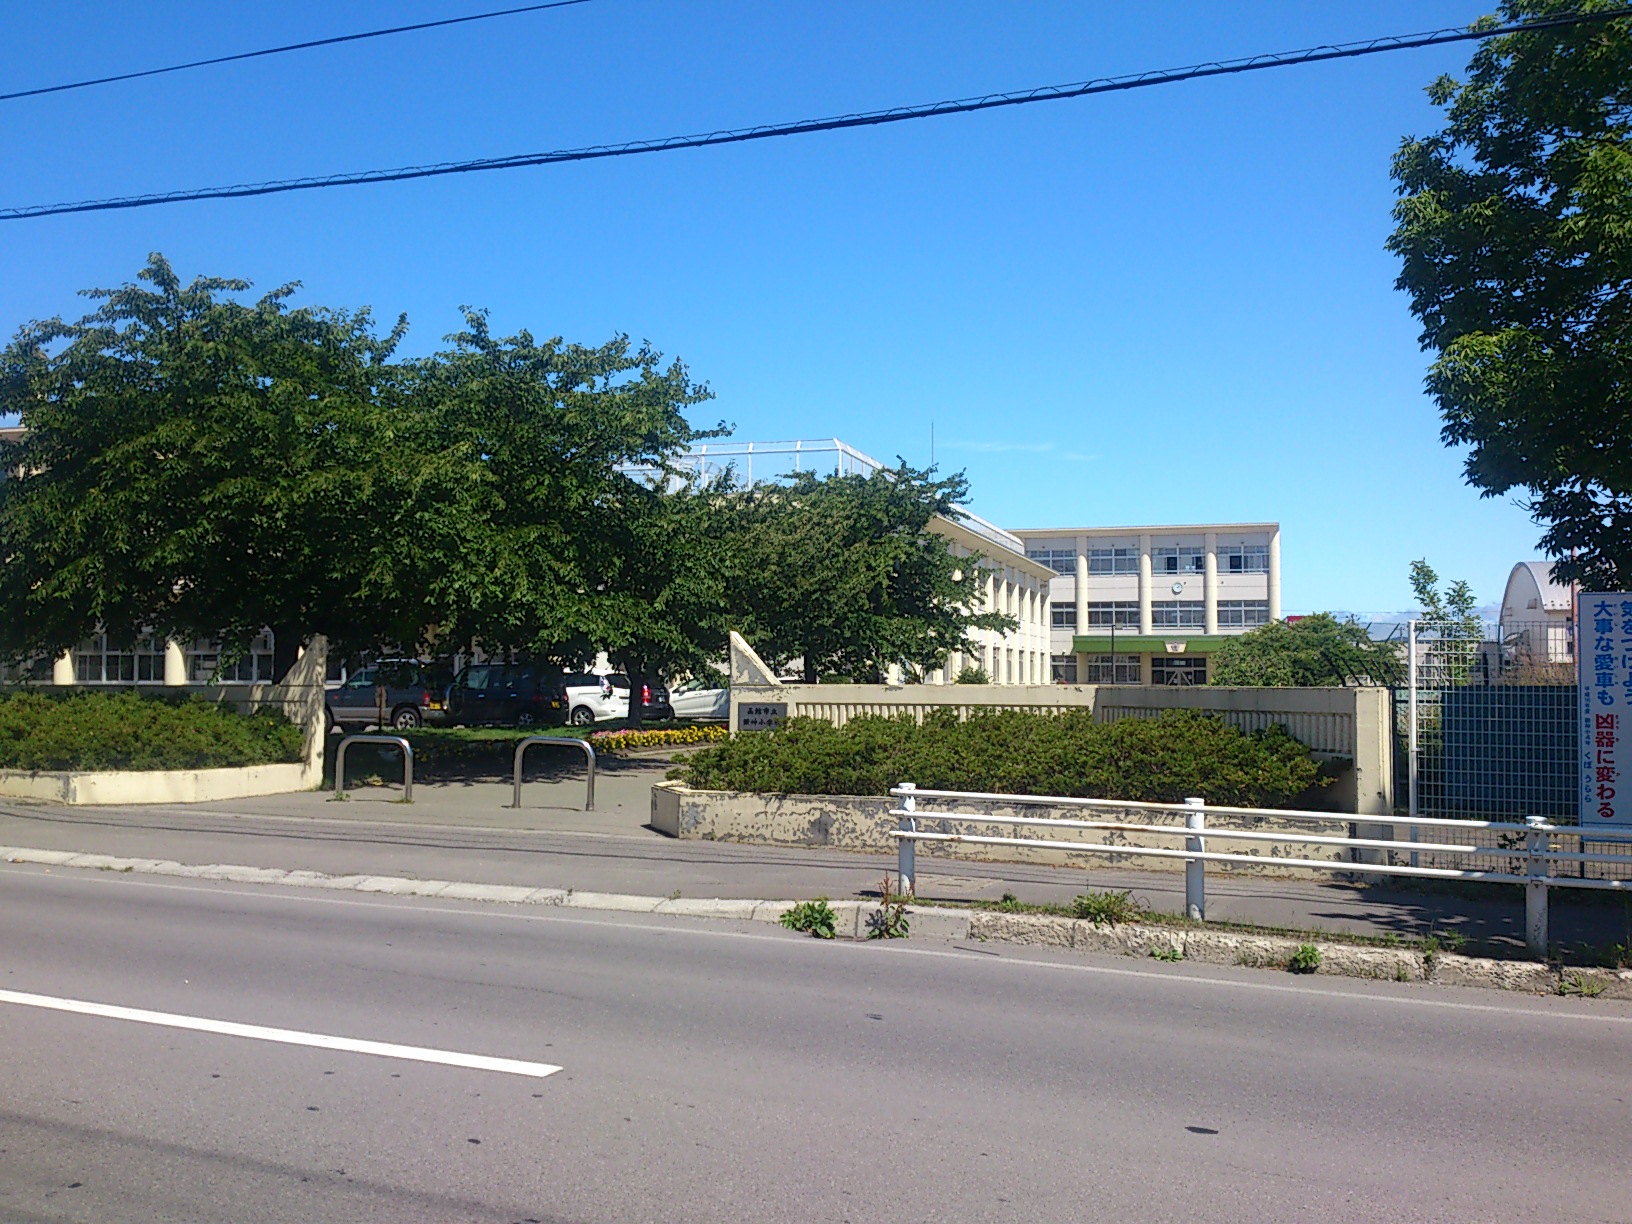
{"points": [[655, 706], [593, 699], [506, 694], [415, 694], [702, 697]]}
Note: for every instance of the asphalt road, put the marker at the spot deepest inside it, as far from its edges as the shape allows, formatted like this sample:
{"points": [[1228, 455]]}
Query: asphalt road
{"points": [[711, 1072]]}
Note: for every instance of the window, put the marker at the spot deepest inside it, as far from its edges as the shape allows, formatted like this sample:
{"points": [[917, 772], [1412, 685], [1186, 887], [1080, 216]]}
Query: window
{"points": [[1063, 668], [1062, 615], [1113, 560], [1243, 559], [1178, 614], [207, 665], [1113, 669], [1167, 670], [1060, 560], [1124, 614], [1182, 560], [1242, 613], [99, 662]]}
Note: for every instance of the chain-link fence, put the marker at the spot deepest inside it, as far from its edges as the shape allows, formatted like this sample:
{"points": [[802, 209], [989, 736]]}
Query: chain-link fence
{"points": [[1487, 728]]}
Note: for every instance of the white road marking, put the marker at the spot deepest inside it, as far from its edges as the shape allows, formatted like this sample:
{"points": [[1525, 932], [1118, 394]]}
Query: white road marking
{"points": [[256, 1032], [552, 914]]}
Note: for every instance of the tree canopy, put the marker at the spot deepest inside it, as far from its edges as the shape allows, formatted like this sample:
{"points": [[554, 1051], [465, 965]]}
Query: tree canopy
{"points": [[845, 573], [1514, 229], [1316, 651], [194, 466]]}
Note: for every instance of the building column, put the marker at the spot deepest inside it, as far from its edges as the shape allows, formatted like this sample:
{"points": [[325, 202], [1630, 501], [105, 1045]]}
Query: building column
{"points": [[1145, 625], [1209, 585], [175, 665], [1275, 574], [62, 668]]}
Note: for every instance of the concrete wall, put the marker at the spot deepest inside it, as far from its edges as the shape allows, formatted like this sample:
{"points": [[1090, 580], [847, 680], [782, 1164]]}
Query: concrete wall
{"points": [[156, 786], [862, 824], [1347, 727]]}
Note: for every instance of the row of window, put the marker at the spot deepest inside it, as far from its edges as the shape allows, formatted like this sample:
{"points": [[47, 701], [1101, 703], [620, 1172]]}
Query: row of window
{"points": [[1164, 614], [1180, 559], [1126, 669], [97, 661]]}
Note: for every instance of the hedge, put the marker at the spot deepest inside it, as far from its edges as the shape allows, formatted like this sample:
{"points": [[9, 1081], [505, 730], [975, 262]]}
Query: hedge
{"points": [[122, 730], [1162, 759]]}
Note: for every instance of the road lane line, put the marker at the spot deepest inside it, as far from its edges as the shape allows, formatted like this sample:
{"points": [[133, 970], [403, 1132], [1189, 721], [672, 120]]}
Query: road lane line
{"points": [[256, 1032], [613, 918]]}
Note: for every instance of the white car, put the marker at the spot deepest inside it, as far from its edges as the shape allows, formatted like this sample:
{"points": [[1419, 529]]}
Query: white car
{"points": [[592, 699], [701, 698]]}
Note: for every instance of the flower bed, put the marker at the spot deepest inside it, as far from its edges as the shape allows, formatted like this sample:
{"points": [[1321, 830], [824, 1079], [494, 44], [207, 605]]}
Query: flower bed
{"points": [[622, 741]]}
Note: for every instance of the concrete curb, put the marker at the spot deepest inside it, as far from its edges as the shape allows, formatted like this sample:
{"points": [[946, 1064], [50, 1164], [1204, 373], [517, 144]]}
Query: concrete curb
{"points": [[1143, 940]]}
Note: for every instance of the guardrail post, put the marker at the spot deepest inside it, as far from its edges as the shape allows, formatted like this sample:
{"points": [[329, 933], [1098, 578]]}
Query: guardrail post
{"points": [[1535, 892], [1195, 870], [906, 865]]}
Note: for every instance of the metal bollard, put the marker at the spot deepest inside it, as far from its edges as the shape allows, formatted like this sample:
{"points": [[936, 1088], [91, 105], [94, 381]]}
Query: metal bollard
{"points": [[1536, 843], [1195, 870], [395, 740], [569, 741], [906, 864]]}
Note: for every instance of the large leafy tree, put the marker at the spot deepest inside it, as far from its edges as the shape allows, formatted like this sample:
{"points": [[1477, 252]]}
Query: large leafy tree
{"points": [[1316, 651], [845, 573], [197, 466], [662, 570], [1515, 235], [547, 430]]}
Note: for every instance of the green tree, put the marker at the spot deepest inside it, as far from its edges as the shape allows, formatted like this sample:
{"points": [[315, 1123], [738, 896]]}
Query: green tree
{"points": [[1453, 631], [845, 573], [197, 466], [549, 528], [661, 573], [1316, 651], [1515, 234]]}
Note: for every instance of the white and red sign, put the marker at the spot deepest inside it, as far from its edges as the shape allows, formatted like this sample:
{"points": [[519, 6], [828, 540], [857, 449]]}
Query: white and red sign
{"points": [[1604, 652]]}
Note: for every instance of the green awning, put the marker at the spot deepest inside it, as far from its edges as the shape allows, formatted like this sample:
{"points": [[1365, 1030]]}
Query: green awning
{"points": [[1148, 643]]}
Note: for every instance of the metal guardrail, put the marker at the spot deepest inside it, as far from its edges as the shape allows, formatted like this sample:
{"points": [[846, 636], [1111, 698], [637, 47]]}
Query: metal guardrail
{"points": [[1536, 856], [589, 759], [407, 762]]}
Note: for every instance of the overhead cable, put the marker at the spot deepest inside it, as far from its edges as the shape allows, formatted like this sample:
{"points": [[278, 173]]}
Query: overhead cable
{"points": [[300, 46], [1047, 93]]}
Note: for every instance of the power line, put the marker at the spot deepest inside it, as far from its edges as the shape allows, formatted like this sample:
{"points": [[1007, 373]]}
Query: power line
{"points": [[1047, 93], [300, 46]]}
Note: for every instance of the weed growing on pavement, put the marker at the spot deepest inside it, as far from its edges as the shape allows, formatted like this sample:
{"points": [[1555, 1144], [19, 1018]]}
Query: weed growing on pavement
{"points": [[890, 920], [675, 895], [1107, 908], [813, 917], [1008, 903], [1580, 986], [1305, 960], [1167, 954]]}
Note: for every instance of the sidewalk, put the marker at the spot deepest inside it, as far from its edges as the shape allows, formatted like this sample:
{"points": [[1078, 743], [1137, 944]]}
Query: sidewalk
{"points": [[467, 832]]}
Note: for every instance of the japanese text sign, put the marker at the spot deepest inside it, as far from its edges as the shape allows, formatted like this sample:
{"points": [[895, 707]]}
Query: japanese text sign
{"points": [[1604, 654]]}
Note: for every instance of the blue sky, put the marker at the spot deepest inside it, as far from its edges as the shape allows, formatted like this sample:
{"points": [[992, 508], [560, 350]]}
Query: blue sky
{"points": [[1171, 305]]}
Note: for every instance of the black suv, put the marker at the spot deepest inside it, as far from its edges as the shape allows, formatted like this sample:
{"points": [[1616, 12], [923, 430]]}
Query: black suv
{"points": [[506, 694]]}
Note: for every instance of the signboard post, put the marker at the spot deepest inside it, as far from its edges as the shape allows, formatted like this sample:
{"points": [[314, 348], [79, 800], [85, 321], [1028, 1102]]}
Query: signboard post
{"points": [[1603, 624]]}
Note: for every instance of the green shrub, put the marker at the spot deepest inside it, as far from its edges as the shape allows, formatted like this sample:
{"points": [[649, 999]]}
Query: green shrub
{"points": [[1163, 759], [123, 730], [1106, 908], [1305, 960], [816, 917]]}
